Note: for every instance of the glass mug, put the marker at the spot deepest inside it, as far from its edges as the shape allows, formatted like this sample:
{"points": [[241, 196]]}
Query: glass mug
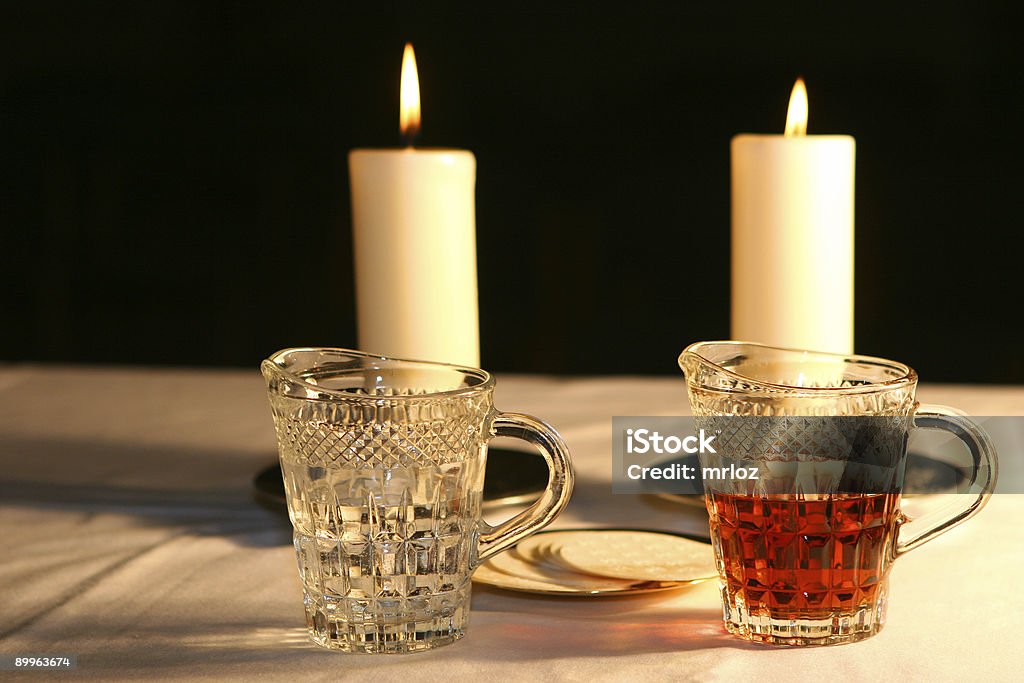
{"points": [[383, 462], [804, 553]]}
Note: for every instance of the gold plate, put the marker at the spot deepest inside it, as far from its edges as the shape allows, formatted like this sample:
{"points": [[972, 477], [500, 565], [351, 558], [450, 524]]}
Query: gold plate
{"points": [[687, 499], [533, 572], [490, 577]]}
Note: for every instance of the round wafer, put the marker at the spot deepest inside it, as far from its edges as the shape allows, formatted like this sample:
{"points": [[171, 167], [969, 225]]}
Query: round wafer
{"points": [[636, 555]]}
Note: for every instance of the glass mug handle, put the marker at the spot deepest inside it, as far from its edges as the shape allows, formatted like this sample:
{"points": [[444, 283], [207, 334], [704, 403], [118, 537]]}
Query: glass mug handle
{"points": [[985, 473], [495, 539]]}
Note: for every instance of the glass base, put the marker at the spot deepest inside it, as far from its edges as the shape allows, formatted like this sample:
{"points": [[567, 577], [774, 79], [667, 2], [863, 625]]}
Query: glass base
{"points": [[805, 629], [388, 625]]}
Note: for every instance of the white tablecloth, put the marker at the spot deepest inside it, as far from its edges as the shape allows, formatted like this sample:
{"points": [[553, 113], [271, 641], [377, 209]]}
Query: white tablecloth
{"points": [[131, 539]]}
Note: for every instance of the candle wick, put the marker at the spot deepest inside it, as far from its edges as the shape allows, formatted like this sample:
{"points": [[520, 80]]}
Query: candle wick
{"points": [[409, 136]]}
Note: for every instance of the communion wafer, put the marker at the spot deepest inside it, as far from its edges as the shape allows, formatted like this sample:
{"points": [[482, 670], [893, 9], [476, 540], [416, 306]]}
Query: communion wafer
{"points": [[541, 555], [592, 584], [513, 567], [486, 574], [541, 549], [637, 555]]}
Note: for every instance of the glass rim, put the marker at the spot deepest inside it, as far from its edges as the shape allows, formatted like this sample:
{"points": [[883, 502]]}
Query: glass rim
{"points": [[907, 375], [485, 379]]}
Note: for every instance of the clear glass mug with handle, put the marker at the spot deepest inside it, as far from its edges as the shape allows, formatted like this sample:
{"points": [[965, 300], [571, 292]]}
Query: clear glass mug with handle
{"points": [[804, 552], [383, 462]]}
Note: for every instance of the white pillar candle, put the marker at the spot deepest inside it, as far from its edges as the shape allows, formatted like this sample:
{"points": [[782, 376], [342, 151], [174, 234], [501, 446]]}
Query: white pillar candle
{"points": [[792, 236], [414, 234]]}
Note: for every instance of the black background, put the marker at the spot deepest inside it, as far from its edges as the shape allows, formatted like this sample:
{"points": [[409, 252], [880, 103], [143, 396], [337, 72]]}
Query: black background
{"points": [[174, 183]]}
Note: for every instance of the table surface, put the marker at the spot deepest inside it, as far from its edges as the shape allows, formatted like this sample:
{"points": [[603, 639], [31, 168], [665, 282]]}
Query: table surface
{"points": [[131, 540]]}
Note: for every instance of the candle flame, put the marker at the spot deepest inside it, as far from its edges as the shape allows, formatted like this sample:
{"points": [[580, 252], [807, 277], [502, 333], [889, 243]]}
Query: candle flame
{"points": [[409, 111], [796, 117]]}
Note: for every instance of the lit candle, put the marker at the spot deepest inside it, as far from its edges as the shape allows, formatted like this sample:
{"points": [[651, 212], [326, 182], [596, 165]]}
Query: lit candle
{"points": [[792, 236], [414, 233]]}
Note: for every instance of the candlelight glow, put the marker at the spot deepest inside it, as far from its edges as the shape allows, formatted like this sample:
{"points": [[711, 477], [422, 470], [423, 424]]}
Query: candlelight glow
{"points": [[796, 117], [409, 114]]}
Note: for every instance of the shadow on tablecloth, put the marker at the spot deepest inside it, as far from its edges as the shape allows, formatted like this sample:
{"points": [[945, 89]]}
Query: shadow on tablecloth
{"points": [[204, 492]]}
